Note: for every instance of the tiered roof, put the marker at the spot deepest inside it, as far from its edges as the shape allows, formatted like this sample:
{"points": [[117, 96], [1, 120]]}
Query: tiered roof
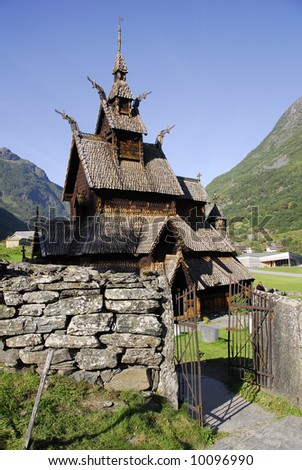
{"points": [[206, 254]]}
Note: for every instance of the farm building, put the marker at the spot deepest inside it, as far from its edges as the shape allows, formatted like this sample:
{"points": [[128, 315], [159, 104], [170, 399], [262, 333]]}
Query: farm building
{"points": [[130, 212], [19, 239]]}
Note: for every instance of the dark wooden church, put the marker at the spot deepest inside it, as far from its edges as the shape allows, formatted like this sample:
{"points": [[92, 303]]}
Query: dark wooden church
{"points": [[130, 212]]}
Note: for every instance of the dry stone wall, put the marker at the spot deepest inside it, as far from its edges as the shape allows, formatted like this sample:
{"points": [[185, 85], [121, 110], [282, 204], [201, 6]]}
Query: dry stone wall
{"points": [[112, 329], [287, 348]]}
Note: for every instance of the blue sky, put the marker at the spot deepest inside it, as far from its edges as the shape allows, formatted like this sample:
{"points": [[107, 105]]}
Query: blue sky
{"points": [[222, 71]]}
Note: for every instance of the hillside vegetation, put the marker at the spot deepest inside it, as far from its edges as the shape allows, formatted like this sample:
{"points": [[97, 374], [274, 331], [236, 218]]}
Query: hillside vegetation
{"points": [[23, 188], [268, 178]]}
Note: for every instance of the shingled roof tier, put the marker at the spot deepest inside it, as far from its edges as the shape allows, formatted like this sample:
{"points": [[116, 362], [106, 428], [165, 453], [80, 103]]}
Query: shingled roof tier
{"points": [[131, 123], [98, 235], [119, 64], [103, 171], [213, 272], [125, 235], [202, 240], [192, 189], [121, 88]]}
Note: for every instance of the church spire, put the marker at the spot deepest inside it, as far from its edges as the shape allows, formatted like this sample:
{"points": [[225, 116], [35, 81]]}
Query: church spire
{"points": [[119, 36], [120, 88], [120, 68]]}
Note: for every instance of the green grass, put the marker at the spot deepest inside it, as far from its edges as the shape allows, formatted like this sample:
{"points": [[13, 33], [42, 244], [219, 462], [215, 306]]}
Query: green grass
{"points": [[13, 255], [269, 402], [185, 347], [282, 269], [283, 283], [70, 417], [216, 350]]}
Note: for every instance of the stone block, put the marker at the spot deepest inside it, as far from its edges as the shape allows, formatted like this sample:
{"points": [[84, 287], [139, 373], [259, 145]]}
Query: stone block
{"points": [[62, 285], [90, 324], [47, 279], [13, 327], [19, 284], [7, 312], [106, 375], [9, 358], [76, 274], [40, 297], [32, 310], [142, 356], [64, 368], [78, 293], [74, 342], [95, 359], [47, 325], [132, 294], [132, 306], [138, 324], [127, 340], [12, 299], [76, 305], [33, 357], [135, 379], [208, 334], [61, 355], [86, 376], [24, 340]]}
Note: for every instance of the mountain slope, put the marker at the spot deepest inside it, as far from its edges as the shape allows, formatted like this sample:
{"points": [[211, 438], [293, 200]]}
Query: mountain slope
{"points": [[268, 178], [9, 224], [23, 187]]}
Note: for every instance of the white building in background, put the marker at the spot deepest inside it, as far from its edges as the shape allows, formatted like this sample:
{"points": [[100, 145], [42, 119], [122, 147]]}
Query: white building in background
{"points": [[270, 259], [20, 238]]}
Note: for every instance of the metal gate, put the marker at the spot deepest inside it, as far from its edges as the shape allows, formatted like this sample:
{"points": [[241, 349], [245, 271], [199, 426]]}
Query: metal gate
{"points": [[250, 334], [187, 353]]}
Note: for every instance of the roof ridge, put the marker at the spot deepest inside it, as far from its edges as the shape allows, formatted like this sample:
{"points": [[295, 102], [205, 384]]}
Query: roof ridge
{"points": [[188, 178]]}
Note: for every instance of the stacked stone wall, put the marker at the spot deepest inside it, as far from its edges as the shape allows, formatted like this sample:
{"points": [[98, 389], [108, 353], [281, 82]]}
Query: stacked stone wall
{"points": [[287, 348], [112, 329]]}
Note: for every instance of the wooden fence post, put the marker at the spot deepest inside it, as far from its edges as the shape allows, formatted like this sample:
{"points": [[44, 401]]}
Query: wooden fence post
{"points": [[38, 398]]}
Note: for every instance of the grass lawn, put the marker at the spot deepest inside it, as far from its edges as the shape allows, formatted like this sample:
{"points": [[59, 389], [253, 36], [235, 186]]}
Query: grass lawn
{"points": [[71, 416], [283, 283], [283, 269], [13, 255]]}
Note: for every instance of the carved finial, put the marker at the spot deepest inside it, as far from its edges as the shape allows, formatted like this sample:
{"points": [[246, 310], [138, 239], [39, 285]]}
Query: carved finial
{"points": [[161, 134], [138, 99], [70, 119], [199, 176], [98, 88], [119, 39]]}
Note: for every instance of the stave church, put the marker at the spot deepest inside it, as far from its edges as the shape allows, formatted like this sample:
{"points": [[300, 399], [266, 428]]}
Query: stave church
{"points": [[129, 212]]}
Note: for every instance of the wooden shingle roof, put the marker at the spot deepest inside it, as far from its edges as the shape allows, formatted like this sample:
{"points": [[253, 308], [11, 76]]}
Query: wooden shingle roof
{"points": [[132, 123], [192, 189], [102, 235], [202, 240], [151, 230], [103, 171], [119, 63], [127, 235], [218, 271], [120, 88]]}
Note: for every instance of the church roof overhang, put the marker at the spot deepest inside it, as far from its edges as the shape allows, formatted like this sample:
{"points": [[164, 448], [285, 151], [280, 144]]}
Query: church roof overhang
{"points": [[104, 171], [193, 189], [130, 123]]}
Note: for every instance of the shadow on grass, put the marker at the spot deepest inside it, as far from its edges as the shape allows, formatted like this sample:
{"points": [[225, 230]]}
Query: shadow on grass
{"points": [[154, 404]]}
